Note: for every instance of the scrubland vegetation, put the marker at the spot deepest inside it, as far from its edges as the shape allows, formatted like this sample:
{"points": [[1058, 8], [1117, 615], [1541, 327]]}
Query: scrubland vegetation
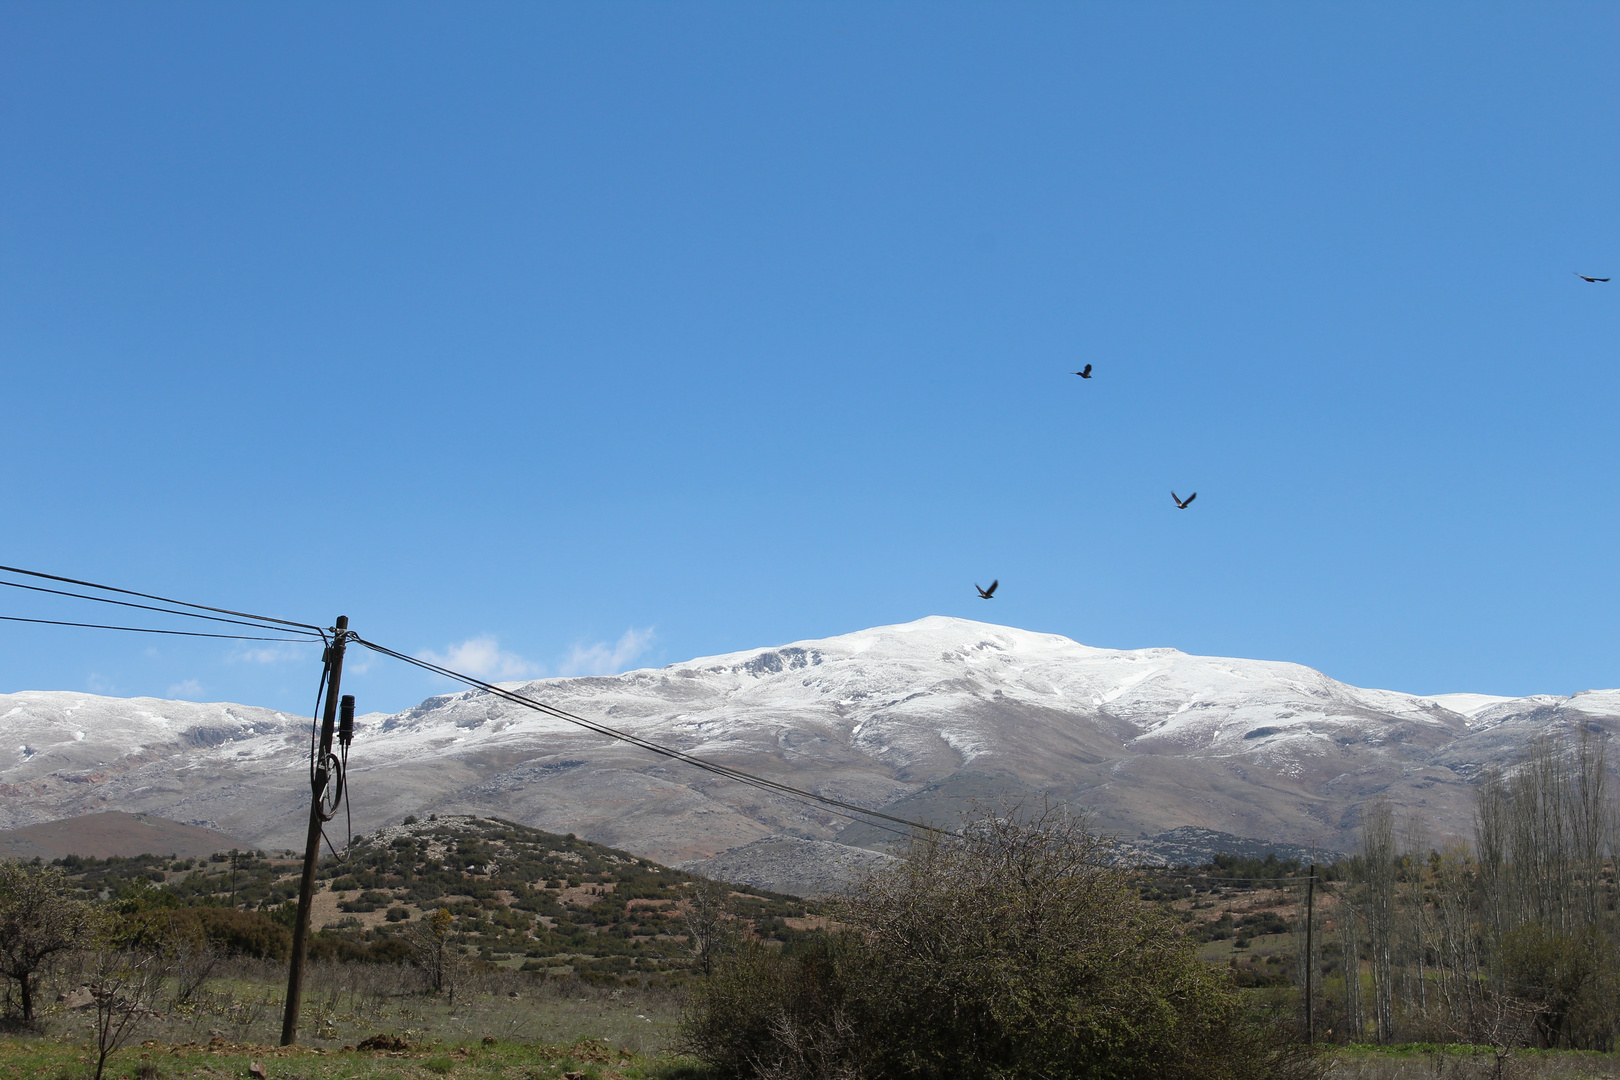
{"points": [[1014, 947]]}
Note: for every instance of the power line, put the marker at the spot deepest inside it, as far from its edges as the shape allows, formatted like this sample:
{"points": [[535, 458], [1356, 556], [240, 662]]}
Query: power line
{"points": [[150, 630], [160, 599], [144, 607], [799, 795], [838, 806]]}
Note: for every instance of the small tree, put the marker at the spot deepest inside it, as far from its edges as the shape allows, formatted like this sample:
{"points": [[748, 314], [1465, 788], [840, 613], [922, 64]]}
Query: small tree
{"points": [[123, 983], [434, 954], [709, 933], [39, 918]]}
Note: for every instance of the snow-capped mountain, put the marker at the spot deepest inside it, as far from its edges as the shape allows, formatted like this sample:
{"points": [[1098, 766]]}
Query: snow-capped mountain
{"points": [[917, 719]]}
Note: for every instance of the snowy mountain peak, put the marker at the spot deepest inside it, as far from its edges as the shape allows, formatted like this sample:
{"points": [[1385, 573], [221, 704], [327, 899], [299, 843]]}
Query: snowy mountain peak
{"points": [[922, 639], [915, 718]]}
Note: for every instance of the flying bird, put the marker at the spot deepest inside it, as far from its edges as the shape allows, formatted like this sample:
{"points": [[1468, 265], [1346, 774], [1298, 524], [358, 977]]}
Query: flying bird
{"points": [[1181, 504], [987, 594], [1086, 374], [1577, 273]]}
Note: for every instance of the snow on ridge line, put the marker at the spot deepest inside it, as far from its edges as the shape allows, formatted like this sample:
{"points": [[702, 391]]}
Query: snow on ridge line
{"points": [[1464, 704], [953, 633], [891, 659], [867, 643]]}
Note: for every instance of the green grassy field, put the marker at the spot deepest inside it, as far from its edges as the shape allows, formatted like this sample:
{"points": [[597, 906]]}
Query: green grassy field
{"points": [[345, 1003], [500, 1024], [53, 1058], [59, 1055], [1427, 1061]]}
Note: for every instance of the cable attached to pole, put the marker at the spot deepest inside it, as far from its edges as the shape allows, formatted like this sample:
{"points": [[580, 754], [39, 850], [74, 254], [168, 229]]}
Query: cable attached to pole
{"points": [[160, 599], [149, 607], [837, 806], [151, 630]]}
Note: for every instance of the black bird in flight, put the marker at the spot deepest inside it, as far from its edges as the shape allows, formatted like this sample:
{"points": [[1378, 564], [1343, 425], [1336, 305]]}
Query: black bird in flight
{"points": [[1086, 374], [987, 594], [1182, 504], [1578, 274]]}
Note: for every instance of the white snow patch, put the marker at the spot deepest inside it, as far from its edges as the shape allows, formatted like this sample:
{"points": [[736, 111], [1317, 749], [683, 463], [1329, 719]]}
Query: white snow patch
{"points": [[1465, 704]]}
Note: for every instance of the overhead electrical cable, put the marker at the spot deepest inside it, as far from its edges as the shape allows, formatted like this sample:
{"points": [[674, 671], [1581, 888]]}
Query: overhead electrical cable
{"points": [[838, 806], [162, 599], [151, 630], [146, 607], [842, 809]]}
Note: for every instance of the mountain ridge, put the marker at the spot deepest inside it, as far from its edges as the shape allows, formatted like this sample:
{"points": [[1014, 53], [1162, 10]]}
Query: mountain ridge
{"points": [[918, 719]]}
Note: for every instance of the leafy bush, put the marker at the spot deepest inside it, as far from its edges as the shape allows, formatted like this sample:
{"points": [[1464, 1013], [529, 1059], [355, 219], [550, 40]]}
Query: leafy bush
{"points": [[1263, 922], [1014, 949], [1247, 869], [333, 947], [39, 919], [230, 930], [370, 900]]}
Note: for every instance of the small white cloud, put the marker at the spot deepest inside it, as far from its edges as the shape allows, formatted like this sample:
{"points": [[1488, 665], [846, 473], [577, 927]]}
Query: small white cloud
{"points": [[272, 654], [190, 690], [604, 659], [482, 657]]}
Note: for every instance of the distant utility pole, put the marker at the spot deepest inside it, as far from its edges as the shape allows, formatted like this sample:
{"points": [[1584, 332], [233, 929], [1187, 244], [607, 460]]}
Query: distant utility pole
{"points": [[1310, 958], [320, 778]]}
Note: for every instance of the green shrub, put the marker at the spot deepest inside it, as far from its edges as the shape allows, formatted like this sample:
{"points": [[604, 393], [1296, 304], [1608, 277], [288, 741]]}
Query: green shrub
{"points": [[230, 930], [1014, 950]]}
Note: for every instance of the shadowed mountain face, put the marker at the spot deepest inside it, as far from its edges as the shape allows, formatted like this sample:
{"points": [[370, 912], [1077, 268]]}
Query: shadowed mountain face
{"points": [[112, 833], [918, 719]]}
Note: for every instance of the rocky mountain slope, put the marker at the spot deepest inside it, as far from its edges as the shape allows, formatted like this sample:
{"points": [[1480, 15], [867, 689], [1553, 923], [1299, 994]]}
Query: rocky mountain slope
{"points": [[919, 719]]}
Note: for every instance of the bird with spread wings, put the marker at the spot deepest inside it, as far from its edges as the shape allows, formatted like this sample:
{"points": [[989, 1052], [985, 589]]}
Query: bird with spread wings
{"points": [[987, 594], [1182, 504]]}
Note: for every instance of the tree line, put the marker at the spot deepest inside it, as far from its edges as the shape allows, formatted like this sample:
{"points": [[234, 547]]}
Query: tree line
{"points": [[1512, 940]]}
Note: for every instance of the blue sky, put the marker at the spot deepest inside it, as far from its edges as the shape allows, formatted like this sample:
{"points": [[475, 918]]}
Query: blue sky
{"points": [[569, 338]]}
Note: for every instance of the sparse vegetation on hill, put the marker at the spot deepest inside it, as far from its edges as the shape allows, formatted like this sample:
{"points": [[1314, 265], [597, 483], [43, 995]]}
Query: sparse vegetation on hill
{"points": [[515, 896], [435, 929]]}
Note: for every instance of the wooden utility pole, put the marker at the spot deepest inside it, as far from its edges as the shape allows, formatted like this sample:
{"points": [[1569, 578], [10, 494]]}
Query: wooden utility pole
{"points": [[319, 779], [1310, 958]]}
